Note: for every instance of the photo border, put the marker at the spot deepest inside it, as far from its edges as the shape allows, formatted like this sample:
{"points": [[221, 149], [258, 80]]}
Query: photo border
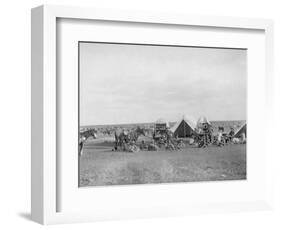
{"points": [[44, 95]]}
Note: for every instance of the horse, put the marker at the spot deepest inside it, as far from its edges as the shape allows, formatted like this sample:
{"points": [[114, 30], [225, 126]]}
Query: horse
{"points": [[84, 136], [122, 137]]}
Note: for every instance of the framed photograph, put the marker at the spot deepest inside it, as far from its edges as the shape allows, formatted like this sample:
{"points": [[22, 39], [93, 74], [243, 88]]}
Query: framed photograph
{"points": [[138, 114]]}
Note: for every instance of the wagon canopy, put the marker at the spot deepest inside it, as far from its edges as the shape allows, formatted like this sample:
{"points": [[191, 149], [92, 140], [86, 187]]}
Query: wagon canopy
{"points": [[161, 121], [242, 129], [161, 124], [184, 127]]}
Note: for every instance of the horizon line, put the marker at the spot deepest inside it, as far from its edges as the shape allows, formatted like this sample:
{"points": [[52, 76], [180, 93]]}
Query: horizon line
{"points": [[135, 123]]}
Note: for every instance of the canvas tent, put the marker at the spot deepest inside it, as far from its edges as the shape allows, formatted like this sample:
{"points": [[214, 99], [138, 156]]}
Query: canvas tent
{"points": [[242, 129], [183, 128], [203, 120]]}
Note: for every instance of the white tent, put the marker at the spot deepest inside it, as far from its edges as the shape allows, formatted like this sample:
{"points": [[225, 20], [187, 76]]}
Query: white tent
{"points": [[183, 127], [203, 120], [242, 129]]}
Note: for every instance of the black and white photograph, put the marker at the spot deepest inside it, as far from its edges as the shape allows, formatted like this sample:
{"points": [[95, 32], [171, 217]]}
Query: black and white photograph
{"points": [[151, 113]]}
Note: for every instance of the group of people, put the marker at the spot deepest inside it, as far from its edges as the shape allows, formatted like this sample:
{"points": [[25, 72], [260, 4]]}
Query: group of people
{"points": [[204, 136], [224, 138]]}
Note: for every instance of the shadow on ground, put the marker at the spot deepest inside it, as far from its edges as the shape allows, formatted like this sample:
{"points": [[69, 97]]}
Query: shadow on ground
{"points": [[25, 215]]}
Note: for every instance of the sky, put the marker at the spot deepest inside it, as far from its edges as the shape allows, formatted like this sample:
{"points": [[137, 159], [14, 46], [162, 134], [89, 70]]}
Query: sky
{"points": [[121, 83]]}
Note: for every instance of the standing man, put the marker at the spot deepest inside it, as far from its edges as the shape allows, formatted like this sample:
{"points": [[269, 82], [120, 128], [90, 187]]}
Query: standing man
{"points": [[205, 134]]}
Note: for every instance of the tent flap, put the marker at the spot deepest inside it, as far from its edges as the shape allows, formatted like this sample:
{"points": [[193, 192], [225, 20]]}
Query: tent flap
{"points": [[183, 128], [242, 129]]}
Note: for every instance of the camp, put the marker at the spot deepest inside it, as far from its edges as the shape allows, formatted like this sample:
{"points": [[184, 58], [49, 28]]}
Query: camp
{"points": [[184, 127], [242, 129]]}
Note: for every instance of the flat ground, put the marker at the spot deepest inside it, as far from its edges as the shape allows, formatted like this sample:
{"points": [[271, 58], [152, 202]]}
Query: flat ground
{"points": [[100, 166]]}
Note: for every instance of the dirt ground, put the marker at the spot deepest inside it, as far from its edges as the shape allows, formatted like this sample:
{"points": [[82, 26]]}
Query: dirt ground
{"points": [[100, 166]]}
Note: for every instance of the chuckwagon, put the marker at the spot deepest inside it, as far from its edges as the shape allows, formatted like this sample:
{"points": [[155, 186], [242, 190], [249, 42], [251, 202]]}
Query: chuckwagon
{"points": [[160, 133]]}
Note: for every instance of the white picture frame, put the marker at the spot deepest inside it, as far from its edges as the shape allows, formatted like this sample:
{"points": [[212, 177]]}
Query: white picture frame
{"points": [[44, 173]]}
